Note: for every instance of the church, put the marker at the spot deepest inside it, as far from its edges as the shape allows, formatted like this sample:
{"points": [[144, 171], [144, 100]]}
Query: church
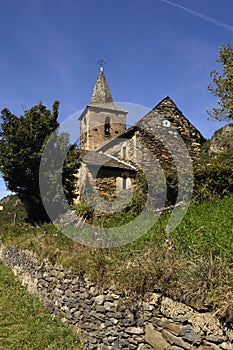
{"points": [[112, 155]]}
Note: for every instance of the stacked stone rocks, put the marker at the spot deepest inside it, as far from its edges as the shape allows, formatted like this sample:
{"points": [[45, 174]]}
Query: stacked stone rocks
{"points": [[106, 319]]}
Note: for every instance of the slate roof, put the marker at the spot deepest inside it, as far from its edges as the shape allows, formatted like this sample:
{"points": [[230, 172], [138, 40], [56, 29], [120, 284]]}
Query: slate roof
{"points": [[139, 123], [102, 97], [111, 106], [101, 93], [100, 159]]}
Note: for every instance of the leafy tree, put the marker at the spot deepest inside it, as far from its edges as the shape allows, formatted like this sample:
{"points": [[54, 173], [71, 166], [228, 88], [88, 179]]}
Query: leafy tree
{"points": [[222, 86], [58, 170], [22, 142]]}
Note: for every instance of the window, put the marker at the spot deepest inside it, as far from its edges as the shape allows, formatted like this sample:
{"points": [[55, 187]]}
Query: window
{"points": [[124, 182], [123, 152], [166, 123], [107, 126]]}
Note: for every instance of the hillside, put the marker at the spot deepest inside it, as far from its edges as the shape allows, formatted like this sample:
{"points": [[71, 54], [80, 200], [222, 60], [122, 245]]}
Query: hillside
{"points": [[222, 141], [192, 264]]}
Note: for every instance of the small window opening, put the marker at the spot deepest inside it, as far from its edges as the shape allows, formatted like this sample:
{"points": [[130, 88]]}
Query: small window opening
{"points": [[124, 182], [123, 152], [107, 126]]}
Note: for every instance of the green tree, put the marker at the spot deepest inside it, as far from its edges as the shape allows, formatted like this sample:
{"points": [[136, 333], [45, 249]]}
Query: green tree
{"points": [[22, 142], [58, 170], [222, 86]]}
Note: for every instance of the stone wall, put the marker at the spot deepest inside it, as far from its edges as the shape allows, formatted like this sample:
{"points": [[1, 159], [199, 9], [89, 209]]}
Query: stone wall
{"points": [[107, 319], [92, 126], [190, 135], [161, 132]]}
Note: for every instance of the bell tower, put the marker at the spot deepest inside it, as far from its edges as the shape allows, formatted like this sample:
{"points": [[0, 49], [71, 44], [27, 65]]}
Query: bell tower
{"points": [[102, 120]]}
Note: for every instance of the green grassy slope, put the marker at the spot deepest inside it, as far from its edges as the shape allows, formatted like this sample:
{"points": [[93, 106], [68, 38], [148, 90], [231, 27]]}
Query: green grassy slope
{"points": [[25, 324], [192, 264]]}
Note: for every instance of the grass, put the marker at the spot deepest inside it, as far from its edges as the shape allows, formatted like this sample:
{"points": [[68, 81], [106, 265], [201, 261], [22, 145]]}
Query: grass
{"points": [[193, 264], [25, 324]]}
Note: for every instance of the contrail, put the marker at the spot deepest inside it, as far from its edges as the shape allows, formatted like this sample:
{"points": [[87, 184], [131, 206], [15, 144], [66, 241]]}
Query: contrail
{"points": [[198, 14]]}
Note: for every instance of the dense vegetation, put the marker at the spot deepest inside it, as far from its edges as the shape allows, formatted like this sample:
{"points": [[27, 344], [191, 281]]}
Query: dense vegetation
{"points": [[22, 142]]}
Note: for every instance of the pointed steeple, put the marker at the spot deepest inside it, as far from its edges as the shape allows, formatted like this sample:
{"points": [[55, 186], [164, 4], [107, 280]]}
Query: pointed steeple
{"points": [[101, 93]]}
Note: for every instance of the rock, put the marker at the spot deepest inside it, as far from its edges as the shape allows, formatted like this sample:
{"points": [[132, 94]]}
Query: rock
{"points": [[100, 308], [100, 299], [108, 324], [172, 327], [154, 338], [173, 340], [188, 333], [111, 339], [208, 347], [114, 321], [134, 330], [215, 338], [108, 306], [77, 314], [226, 346], [97, 315], [108, 298], [146, 306], [68, 292], [142, 347], [116, 345], [154, 300], [222, 140], [92, 340]]}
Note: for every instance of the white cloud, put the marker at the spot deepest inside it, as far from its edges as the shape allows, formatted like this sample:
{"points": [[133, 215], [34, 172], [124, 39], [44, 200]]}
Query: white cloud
{"points": [[200, 15]]}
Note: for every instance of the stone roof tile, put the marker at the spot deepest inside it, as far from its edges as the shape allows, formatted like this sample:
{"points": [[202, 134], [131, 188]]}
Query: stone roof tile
{"points": [[101, 93]]}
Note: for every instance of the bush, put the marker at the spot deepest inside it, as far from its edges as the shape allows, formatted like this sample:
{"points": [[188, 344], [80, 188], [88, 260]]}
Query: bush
{"points": [[214, 179]]}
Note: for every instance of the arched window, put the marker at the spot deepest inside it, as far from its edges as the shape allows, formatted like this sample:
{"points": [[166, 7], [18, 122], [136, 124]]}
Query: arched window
{"points": [[107, 126]]}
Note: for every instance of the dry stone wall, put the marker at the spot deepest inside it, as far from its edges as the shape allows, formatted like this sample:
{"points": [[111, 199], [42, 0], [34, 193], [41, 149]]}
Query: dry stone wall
{"points": [[107, 319]]}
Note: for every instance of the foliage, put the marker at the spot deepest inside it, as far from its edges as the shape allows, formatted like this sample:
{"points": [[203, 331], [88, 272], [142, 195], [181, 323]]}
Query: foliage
{"points": [[58, 167], [21, 146], [22, 142], [222, 86], [172, 186], [214, 177], [70, 167], [84, 209], [205, 146], [25, 324], [13, 212]]}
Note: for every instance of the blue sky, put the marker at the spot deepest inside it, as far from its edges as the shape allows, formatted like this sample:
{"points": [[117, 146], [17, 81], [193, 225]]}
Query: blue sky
{"points": [[152, 48]]}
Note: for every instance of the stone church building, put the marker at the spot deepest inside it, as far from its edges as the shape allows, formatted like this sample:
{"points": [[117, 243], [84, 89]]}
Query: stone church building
{"points": [[112, 154]]}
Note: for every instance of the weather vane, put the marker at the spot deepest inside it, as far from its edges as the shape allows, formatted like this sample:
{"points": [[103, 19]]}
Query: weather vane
{"points": [[101, 63]]}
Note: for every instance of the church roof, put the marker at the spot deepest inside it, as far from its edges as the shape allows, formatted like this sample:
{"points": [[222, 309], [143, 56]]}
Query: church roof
{"points": [[102, 97], [110, 106], [101, 93], [101, 159]]}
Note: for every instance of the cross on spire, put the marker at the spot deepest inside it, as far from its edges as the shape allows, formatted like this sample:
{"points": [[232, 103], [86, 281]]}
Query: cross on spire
{"points": [[101, 63], [101, 93]]}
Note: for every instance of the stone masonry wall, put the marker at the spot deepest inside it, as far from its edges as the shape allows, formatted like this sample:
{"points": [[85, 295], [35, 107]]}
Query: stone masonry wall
{"points": [[106, 319]]}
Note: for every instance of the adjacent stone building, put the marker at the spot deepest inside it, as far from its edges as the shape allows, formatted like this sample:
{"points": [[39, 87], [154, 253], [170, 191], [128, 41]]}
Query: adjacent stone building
{"points": [[113, 154]]}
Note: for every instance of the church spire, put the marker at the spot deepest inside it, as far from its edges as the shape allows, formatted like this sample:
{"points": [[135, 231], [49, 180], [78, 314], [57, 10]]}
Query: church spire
{"points": [[101, 93]]}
